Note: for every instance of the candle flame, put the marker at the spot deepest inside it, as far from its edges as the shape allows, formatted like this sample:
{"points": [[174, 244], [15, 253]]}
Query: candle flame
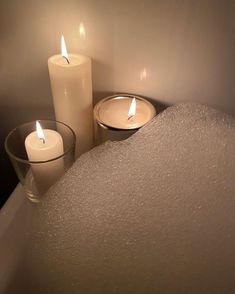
{"points": [[40, 132], [64, 52], [132, 109]]}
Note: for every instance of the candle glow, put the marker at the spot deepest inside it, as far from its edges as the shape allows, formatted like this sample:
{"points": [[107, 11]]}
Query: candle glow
{"points": [[132, 109], [40, 132], [64, 52]]}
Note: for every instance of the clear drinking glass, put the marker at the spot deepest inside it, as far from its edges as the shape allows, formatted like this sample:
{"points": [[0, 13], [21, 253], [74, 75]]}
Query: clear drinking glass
{"points": [[38, 176]]}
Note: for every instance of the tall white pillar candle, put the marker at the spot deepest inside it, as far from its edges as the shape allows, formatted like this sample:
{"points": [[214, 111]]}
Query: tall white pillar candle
{"points": [[71, 86], [41, 147]]}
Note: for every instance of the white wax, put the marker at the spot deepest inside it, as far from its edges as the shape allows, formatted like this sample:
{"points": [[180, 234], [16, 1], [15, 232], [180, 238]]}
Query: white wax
{"points": [[113, 112], [46, 173], [71, 87]]}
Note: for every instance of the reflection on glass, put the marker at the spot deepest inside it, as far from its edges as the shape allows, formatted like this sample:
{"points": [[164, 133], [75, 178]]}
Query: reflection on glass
{"points": [[143, 74], [82, 30]]}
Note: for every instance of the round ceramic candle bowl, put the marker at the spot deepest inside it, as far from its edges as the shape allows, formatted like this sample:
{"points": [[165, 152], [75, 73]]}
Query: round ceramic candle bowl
{"points": [[40, 157]]}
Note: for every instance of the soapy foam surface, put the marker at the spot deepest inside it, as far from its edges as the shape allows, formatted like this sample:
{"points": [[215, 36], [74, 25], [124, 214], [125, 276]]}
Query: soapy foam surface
{"points": [[152, 214]]}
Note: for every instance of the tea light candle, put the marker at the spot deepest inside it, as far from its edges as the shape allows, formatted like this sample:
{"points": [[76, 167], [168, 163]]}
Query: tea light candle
{"points": [[71, 86], [41, 147], [119, 116]]}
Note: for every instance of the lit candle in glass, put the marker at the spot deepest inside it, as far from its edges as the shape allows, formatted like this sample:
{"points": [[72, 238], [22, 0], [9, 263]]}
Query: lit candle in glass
{"points": [[41, 147]]}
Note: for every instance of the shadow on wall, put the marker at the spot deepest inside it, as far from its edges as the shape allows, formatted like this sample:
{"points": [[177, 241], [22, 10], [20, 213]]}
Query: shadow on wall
{"points": [[8, 179]]}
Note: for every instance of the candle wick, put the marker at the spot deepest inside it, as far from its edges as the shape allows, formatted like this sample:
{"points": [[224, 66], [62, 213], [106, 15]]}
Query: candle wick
{"points": [[43, 140], [130, 116], [67, 59]]}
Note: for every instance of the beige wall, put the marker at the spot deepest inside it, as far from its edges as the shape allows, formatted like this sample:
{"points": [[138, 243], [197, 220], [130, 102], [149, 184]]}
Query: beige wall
{"points": [[167, 50]]}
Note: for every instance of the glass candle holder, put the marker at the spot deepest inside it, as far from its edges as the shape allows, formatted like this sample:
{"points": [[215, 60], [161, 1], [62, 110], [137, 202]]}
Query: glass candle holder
{"points": [[40, 161]]}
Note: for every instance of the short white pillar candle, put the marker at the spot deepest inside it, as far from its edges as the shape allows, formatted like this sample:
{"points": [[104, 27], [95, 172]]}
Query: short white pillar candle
{"points": [[42, 146]]}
